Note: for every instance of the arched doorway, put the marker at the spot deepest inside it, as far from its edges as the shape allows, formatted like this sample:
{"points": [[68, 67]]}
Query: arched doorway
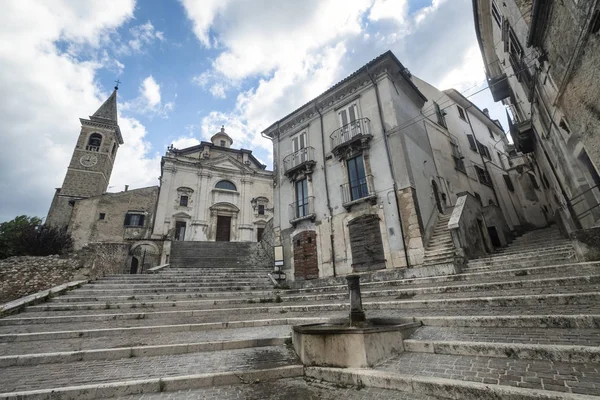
{"points": [[436, 194], [134, 265]]}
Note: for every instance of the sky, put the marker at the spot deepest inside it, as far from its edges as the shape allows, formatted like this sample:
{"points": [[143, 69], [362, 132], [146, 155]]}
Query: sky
{"points": [[187, 67]]}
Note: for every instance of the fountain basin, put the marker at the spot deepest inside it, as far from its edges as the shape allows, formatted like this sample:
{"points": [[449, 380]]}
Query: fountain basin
{"points": [[337, 344]]}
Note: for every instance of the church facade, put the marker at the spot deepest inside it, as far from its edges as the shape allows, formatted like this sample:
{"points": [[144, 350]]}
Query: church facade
{"points": [[213, 192]]}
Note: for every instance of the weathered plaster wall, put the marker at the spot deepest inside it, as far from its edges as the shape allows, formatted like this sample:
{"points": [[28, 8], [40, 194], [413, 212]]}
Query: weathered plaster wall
{"points": [[467, 226]]}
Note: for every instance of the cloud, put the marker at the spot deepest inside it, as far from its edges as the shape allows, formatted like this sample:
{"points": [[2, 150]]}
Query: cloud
{"points": [[185, 142], [142, 35], [48, 89], [149, 101]]}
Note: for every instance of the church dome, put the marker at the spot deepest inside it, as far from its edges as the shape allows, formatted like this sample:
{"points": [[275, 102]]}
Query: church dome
{"points": [[221, 138]]}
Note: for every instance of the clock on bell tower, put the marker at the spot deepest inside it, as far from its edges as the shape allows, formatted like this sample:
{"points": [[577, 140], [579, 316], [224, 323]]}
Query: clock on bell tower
{"points": [[91, 164]]}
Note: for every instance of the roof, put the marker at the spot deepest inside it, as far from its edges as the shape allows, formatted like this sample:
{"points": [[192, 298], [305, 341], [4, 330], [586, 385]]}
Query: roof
{"points": [[108, 110], [365, 68], [199, 147]]}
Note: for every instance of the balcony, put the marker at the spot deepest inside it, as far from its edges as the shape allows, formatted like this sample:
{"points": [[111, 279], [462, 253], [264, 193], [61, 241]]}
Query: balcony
{"points": [[523, 135], [499, 87], [301, 161], [302, 210], [356, 134], [358, 191]]}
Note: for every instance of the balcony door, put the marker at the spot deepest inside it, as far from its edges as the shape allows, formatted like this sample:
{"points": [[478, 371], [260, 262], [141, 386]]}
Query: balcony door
{"points": [[302, 209], [350, 127], [299, 143], [357, 178]]}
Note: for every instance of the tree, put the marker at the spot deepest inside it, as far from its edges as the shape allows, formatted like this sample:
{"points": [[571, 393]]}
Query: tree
{"points": [[27, 236]]}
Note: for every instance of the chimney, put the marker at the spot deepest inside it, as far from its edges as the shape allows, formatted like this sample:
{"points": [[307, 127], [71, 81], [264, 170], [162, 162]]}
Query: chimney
{"points": [[126, 187], [486, 112]]}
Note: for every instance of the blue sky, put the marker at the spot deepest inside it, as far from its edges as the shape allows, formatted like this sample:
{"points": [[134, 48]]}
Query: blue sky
{"points": [[188, 66]]}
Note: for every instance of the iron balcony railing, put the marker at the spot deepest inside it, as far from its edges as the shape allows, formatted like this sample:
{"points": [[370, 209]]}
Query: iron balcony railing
{"points": [[303, 208], [298, 158], [358, 189], [348, 132]]}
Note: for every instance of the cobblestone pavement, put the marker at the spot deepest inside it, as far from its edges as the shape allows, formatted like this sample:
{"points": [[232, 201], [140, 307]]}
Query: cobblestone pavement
{"points": [[128, 339], [581, 337], [89, 372], [284, 389], [562, 377]]}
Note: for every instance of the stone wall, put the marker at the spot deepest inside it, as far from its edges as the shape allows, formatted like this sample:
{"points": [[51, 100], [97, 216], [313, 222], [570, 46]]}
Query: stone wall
{"points": [[22, 276], [267, 241]]}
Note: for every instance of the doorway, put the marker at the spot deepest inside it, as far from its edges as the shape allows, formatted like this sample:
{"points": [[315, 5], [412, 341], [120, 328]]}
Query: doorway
{"points": [[436, 194], [223, 229], [494, 237], [180, 230], [134, 265]]}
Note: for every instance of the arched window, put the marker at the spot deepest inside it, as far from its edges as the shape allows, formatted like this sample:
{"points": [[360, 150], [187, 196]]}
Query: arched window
{"points": [[114, 149], [94, 142], [225, 185]]}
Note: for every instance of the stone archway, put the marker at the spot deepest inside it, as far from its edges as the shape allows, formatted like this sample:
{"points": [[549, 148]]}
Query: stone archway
{"points": [[223, 222], [144, 255]]}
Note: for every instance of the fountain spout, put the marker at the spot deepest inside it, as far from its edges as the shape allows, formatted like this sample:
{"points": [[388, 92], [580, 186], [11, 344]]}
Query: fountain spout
{"points": [[357, 314]]}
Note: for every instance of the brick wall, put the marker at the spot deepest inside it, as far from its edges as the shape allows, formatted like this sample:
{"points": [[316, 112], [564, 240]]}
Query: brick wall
{"points": [[306, 264]]}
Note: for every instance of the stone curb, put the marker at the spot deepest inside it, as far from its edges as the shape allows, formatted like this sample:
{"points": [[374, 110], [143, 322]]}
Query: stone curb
{"points": [[437, 387], [496, 301], [155, 385], [138, 351], [558, 281], [584, 321], [34, 336], [521, 351], [16, 305]]}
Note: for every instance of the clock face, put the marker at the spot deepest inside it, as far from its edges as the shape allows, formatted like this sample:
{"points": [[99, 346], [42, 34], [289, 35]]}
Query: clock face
{"points": [[88, 160]]}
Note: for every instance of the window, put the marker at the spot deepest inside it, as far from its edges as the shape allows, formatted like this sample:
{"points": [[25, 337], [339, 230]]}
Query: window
{"points": [[302, 209], [223, 143], [102, 216], [491, 133], [508, 182], [357, 178], [441, 115], [261, 209], [534, 181], [483, 150], [459, 163], [134, 219], [259, 234], [472, 144], [350, 124], [298, 143], [496, 14], [225, 185], [94, 142], [483, 176], [348, 115], [461, 113], [183, 201]]}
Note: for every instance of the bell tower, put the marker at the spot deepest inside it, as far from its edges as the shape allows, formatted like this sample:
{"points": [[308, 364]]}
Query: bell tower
{"points": [[92, 162]]}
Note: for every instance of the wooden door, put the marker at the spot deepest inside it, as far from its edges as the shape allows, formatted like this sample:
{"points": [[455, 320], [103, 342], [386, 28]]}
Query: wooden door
{"points": [[223, 229]]}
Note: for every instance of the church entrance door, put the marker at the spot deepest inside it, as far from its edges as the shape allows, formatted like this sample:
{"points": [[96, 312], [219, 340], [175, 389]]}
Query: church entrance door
{"points": [[134, 265], [223, 229], [180, 230]]}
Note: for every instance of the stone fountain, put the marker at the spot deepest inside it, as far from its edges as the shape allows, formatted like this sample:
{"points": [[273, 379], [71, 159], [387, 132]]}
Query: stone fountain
{"points": [[357, 342]]}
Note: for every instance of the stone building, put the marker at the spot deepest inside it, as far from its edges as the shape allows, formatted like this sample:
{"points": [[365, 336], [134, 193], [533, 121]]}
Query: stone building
{"points": [[472, 154], [212, 192], [541, 60], [91, 164]]}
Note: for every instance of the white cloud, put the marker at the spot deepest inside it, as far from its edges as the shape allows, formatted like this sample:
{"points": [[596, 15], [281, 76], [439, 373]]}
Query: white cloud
{"points": [[150, 100], [47, 90], [142, 35], [218, 90], [185, 141]]}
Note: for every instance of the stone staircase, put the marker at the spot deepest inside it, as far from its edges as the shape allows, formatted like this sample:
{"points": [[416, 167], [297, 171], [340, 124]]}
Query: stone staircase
{"points": [[440, 249], [218, 255], [521, 324]]}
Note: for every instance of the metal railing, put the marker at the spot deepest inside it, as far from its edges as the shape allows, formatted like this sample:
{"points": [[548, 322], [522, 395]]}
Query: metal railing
{"points": [[298, 158], [358, 189], [304, 208], [346, 133], [586, 199], [92, 148]]}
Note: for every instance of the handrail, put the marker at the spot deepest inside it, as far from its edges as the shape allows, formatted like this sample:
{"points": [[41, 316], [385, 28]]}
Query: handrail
{"points": [[585, 191], [357, 189], [349, 131], [597, 186], [303, 208], [298, 158]]}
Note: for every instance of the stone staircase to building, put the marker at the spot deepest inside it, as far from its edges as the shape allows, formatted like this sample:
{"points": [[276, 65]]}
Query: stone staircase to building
{"points": [[521, 324], [217, 255], [440, 249]]}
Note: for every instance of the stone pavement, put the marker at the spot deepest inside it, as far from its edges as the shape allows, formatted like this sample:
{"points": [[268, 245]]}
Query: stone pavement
{"points": [[526, 320]]}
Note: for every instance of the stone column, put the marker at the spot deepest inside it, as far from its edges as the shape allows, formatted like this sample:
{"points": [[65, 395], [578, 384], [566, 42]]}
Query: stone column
{"points": [[356, 311]]}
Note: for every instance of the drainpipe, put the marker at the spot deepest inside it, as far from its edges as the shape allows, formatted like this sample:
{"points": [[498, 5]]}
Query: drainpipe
{"points": [[391, 166], [481, 156], [331, 238]]}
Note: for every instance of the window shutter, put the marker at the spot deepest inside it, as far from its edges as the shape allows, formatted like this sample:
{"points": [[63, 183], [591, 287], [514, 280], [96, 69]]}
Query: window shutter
{"points": [[141, 223], [509, 183], [505, 30], [127, 219], [472, 142]]}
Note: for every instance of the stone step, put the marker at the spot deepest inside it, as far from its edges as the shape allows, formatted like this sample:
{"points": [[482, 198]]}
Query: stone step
{"points": [[527, 263], [549, 259], [547, 254], [51, 376], [158, 285], [536, 249]]}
